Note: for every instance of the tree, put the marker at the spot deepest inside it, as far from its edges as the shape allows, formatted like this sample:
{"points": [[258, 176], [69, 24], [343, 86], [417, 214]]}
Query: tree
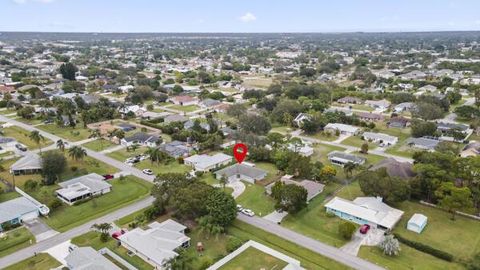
{"points": [[156, 155], [103, 228], [37, 138], [61, 145], [327, 173], [428, 111], [346, 230], [379, 183], [349, 168], [53, 164], [256, 124], [390, 246], [364, 148], [423, 128], [95, 133], [292, 198], [221, 208], [236, 110], [68, 71], [453, 198], [223, 181], [77, 153], [181, 262]]}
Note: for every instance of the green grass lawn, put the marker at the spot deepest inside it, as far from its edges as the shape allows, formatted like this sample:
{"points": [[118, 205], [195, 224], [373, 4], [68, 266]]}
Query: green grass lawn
{"points": [[272, 172], [371, 158], [92, 239], [7, 111], [254, 198], [402, 149], [14, 240], [357, 141], [323, 136], [171, 167], [259, 82], [188, 108], [123, 154], [122, 194], [33, 121], [460, 237], [40, 262], [282, 129], [6, 196], [215, 247], [320, 152], [99, 145], [408, 258], [71, 134], [252, 258], [21, 135], [308, 258]]}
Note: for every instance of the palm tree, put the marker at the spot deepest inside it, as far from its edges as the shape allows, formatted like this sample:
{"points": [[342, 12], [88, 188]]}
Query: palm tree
{"points": [[95, 133], [37, 138], [61, 145], [155, 155], [77, 153], [180, 262], [223, 181], [133, 147], [349, 168]]}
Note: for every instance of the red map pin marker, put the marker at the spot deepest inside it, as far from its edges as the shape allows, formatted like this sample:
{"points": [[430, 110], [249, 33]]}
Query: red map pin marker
{"points": [[240, 155]]}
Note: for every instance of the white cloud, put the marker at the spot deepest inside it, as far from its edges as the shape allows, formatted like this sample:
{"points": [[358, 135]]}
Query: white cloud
{"points": [[248, 17]]}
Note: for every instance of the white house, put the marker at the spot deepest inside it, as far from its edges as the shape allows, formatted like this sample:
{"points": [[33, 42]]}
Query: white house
{"points": [[382, 105], [137, 110], [206, 163], [88, 258], [342, 128], [82, 187], [300, 118], [140, 138], [365, 210], [304, 150], [342, 158], [380, 138], [417, 223], [157, 244], [184, 100]]}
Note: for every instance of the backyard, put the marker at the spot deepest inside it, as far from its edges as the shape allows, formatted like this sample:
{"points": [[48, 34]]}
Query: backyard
{"points": [[252, 258]]}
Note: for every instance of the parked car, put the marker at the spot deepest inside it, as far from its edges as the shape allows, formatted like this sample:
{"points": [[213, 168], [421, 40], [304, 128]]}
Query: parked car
{"points": [[117, 234], [147, 171], [48, 121], [248, 212], [21, 147], [364, 228], [108, 176], [71, 248], [239, 208]]}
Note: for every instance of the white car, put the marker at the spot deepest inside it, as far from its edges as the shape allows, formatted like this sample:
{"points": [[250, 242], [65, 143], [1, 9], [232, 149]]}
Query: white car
{"points": [[248, 212], [147, 171], [239, 208]]}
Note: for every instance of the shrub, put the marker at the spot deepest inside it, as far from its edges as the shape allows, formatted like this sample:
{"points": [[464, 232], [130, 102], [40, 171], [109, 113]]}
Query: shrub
{"points": [[31, 185], [426, 248], [330, 215], [233, 243], [104, 237], [74, 168], [54, 204], [180, 160], [346, 229]]}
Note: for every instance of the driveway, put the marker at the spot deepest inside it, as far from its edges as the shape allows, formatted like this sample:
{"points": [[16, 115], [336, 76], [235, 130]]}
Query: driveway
{"points": [[39, 229], [276, 217], [60, 252], [372, 238]]}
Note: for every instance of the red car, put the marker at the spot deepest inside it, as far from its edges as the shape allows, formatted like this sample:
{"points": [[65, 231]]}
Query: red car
{"points": [[116, 235], [364, 228], [108, 176]]}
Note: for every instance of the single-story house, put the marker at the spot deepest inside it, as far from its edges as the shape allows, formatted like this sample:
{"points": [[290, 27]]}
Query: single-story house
{"points": [[379, 104], [471, 150], [206, 163], [184, 100], [17, 210], [371, 117], [300, 118], [395, 168], [82, 187], [241, 172], [7, 142], [342, 128], [157, 244], [447, 128], [209, 103], [350, 100], [175, 118], [29, 164], [176, 149], [304, 150], [137, 110], [405, 106], [417, 223], [142, 139], [398, 122], [365, 210], [342, 158], [380, 138], [88, 258], [424, 143], [313, 188]]}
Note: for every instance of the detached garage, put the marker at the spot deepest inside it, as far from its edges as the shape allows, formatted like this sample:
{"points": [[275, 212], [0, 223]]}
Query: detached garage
{"points": [[417, 223]]}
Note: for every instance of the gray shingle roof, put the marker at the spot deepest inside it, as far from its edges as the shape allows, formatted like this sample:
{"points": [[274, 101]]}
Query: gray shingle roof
{"points": [[28, 162], [241, 169]]}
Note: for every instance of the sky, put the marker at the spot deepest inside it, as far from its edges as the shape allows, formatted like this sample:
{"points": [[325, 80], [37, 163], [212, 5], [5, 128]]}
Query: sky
{"points": [[238, 15]]}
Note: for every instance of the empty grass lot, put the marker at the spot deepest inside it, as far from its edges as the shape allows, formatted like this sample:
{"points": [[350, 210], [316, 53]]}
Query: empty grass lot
{"points": [[357, 141], [21, 135], [187, 108], [252, 258], [99, 145], [40, 262], [123, 193], [71, 134], [14, 240]]}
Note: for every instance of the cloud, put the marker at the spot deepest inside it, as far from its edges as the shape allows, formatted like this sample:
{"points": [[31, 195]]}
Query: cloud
{"points": [[248, 17]]}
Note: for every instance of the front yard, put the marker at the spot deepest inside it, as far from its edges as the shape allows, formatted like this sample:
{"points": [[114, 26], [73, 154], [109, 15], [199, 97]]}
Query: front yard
{"points": [[357, 141], [40, 262], [21, 135], [71, 134], [99, 145], [255, 198], [14, 240]]}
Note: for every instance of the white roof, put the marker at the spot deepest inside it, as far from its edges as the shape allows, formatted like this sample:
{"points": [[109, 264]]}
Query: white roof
{"points": [[28, 162], [418, 219], [86, 258], [206, 161], [342, 127], [370, 209], [82, 185], [157, 243], [381, 136], [15, 208]]}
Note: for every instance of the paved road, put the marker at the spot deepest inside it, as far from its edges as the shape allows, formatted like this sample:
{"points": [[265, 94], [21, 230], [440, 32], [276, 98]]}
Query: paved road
{"points": [[309, 243], [60, 238]]}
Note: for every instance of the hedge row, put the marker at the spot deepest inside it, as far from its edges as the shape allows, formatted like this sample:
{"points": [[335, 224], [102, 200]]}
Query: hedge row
{"points": [[425, 248]]}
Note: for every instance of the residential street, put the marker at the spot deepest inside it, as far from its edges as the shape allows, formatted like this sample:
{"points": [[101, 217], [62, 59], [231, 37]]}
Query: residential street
{"points": [[309, 243]]}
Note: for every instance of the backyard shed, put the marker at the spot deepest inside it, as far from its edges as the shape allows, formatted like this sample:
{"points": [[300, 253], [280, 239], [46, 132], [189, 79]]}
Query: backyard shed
{"points": [[416, 223]]}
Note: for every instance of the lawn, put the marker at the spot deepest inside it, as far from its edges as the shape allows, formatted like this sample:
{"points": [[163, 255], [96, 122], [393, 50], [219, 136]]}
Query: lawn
{"points": [[313, 221], [272, 172], [371, 158], [460, 237], [92, 239], [259, 82], [71, 134], [254, 198], [171, 167], [408, 258], [40, 262], [123, 154], [187, 108], [309, 259], [320, 152], [215, 247], [402, 149], [282, 129], [99, 145], [14, 240], [357, 141], [323, 136], [7, 196], [21, 135], [7, 111], [19, 179], [252, 258], [123, 193]]}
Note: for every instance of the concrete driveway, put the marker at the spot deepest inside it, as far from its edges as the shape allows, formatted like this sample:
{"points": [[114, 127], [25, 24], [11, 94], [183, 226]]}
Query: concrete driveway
{"points": [[372, 238], [60, 252], [39, 229]]}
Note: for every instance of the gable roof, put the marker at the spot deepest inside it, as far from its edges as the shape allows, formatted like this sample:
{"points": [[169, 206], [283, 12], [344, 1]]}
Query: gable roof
{"points": [[15, 208], [242, 169], [31, 161], [395, 168], [86, 258]]}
